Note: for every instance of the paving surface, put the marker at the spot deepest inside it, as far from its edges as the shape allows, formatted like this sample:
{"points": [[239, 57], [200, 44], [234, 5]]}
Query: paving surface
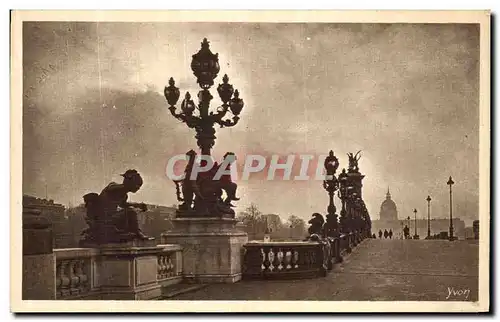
{"points": [[392, 270]]}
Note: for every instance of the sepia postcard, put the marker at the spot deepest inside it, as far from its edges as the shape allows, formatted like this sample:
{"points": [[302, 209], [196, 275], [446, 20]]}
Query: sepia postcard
{"points": [[250, 161]]}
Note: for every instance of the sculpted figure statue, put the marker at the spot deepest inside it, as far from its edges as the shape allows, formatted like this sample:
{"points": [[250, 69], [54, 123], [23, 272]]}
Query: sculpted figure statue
{"points": [[331, 164], [110, 217], [202, 195], [353, 161], [316, 225], [190, 187], [226, 183]]}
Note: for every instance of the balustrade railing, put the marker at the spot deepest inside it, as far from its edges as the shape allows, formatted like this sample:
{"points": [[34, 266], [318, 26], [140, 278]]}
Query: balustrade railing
{"points": [[74, 272], [280, 260], [284, 260], [169, 263]]}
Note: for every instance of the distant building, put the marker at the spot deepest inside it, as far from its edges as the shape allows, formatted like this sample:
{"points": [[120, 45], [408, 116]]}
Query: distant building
{"points": [[389, 220], [388, 209], [475, 228], [469, 233], [56, 213]]}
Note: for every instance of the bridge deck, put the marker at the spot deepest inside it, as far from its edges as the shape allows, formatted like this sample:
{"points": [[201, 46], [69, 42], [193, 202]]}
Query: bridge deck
{"points": [[393, 270]]}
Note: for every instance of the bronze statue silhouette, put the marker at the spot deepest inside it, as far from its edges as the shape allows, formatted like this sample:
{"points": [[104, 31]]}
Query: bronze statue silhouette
{"points": [[225, 182], [331, 164], [190, 187], [353, 161], [316, 225], [110, 217], [202, 195]]}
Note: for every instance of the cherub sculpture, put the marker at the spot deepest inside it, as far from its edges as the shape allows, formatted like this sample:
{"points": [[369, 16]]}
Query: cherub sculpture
{"points": [[110, 217]]}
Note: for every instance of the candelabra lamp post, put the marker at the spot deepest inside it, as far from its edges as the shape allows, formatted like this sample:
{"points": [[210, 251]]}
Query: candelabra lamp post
{"points": [[358, 219], [428, 217], [416, 234], [450, 183], [204, 195], [331, 185], [342, 194], [205, 67], [205, 224], [409, 226]]}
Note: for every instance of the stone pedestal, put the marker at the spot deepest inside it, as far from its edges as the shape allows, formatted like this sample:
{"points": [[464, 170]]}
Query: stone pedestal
{"points": [[128, 271], [212, 248], [38, 257]]}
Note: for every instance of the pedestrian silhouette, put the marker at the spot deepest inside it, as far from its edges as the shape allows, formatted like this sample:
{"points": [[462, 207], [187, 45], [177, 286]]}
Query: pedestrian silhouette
{"points": [[380, 234], [406, 231], [390, 234], [386, 234]]}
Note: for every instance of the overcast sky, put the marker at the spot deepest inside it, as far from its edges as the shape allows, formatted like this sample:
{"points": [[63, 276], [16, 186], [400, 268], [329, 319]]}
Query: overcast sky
{"points": [[404, 94]]}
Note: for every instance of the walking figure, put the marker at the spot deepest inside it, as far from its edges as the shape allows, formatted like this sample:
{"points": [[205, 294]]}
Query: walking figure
{"points": [[380, 234], [406, 231], [390, 233]]}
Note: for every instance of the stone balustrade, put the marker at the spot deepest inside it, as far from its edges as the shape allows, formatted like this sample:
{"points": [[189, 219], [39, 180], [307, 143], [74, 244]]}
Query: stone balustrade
{"points": [[75, 272], [82, 273], [306, 259], [283, 260], [169, 264]]}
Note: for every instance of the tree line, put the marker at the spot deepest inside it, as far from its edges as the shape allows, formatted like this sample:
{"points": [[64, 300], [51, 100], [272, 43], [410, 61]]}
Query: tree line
{"points": [[255, 224]]}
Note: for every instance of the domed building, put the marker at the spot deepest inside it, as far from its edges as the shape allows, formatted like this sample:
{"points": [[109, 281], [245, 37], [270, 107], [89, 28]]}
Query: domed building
{"points": [[388, 209], [389, 221]]}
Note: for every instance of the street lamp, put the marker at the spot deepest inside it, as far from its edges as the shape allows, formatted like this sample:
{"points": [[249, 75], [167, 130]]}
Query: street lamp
{"points": [[409, 226], [331, 184], [205, 66], [342, 194], [450, 183], [428, 216], [416, 235]]}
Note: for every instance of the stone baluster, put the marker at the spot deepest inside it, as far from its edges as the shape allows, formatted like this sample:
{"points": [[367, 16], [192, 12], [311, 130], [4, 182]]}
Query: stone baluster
{"points": [[64, 279], [82, 276], [168, 265], [73, 277], [267, 262], [288, 254], [277, 259], [295, 258], [161, 266]]}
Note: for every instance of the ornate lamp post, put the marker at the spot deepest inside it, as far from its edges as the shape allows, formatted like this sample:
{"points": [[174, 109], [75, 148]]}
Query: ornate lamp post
{"points": [[331, 185], [342, 194], [416, 235], [428, 216], [409, 226], [205, 66], [450, 183]]}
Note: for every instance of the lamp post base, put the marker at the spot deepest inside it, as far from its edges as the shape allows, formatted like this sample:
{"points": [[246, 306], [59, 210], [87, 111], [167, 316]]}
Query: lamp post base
{"points": [[212, 248]]}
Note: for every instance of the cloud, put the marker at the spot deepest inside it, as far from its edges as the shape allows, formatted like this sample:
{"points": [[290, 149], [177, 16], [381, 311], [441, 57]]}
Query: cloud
{"points": [[405, 94]]}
